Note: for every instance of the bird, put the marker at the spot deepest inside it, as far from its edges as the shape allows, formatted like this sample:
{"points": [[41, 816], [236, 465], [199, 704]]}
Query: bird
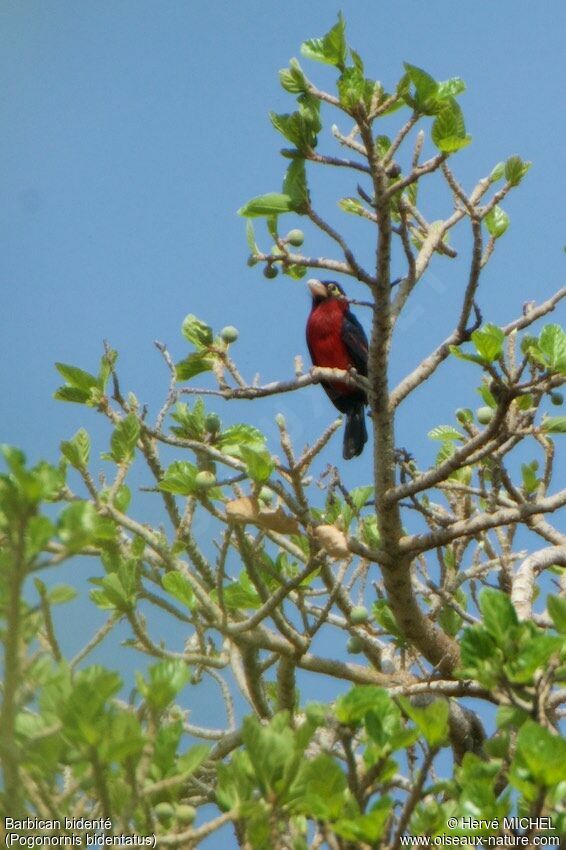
{"points": [[336, 339]]}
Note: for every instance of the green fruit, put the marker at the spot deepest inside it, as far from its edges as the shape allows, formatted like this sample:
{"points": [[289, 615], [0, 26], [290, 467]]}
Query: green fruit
{"points": [[354, 645], [359, 614], [295, 238], [185, 813], [163, 811], [229, 334], [252, 261], [212, 423], [205, 479], [270, 272], [557, 399], [484, 415]]}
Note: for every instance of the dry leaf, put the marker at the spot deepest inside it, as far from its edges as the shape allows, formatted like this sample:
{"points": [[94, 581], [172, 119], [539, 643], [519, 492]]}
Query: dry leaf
{"points": [[332, 541], [247, 509]]}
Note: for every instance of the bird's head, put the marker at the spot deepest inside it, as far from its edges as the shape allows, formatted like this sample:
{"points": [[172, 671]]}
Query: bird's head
{"points": [[322, 290]]}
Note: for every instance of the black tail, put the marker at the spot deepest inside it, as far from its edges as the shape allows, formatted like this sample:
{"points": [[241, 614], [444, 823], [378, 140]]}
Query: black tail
{"points": [[355, 434]]}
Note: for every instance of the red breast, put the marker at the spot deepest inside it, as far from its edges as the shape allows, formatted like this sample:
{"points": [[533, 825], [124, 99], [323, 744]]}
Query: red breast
{"points": [[324, 338]]}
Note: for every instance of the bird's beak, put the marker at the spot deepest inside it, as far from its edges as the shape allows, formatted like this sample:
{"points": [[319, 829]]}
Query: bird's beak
{"points": [[318, 289]]}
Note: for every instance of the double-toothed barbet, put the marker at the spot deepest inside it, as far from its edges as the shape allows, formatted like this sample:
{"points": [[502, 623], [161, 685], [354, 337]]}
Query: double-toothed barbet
{"points": [[336, 339]]}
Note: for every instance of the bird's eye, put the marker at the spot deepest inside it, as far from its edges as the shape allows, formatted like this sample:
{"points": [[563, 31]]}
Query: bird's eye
{"points": [[333, 289]]}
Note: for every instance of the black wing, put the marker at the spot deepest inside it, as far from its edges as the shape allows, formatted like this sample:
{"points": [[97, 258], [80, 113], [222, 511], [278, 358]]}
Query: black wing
{"points": [[355, 339]]}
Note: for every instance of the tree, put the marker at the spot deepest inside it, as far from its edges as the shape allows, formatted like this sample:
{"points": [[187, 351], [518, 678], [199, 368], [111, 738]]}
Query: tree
{"points": [[428, 575]]}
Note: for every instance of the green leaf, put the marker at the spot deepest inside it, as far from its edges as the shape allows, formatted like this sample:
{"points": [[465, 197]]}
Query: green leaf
{"points": [[367, 828], [124, 438], [259, 463], [449, 130], [118, 593], [450, 88], [197, 332], [295, 272], [78, 378], [193, 365], [352, 205], [331, 49], [497, 173], [178, 586], [424, 98], [190, 761], [497, 222], [191, 422], [530, 480], [300, 127], [557, 609], [353, 89], [463, 355], [554, 425], [295, 185], [386, 619], [431, 720], [180, 478], [293, 79], [351, 708], [319, 788], [72, 394], [552, 344], [489, 342], [532, 656], [515, 170], [524, 402], [164, 681], [235, 437], [250, 238], [487, 396], [499, 615], [382, 145], [61, 593], [241, 594], [445, 433], [39, 531], [107, 364], [370, 531], [542, 753], [79, 525], [77, 449], [273, 203]]}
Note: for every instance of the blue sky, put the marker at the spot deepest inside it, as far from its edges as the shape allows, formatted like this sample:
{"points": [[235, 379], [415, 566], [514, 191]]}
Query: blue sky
{"points": [[133, 131]]}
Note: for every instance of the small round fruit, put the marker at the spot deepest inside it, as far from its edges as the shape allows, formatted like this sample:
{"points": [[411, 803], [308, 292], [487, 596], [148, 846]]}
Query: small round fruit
{"points": [[295, 238], [359, 614], [163, 811], [354, 645], [252, 261], [229, 334], [212, 423], [270, 272], [205, 479], [484, 415], [557, 399], [185, 814]]}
